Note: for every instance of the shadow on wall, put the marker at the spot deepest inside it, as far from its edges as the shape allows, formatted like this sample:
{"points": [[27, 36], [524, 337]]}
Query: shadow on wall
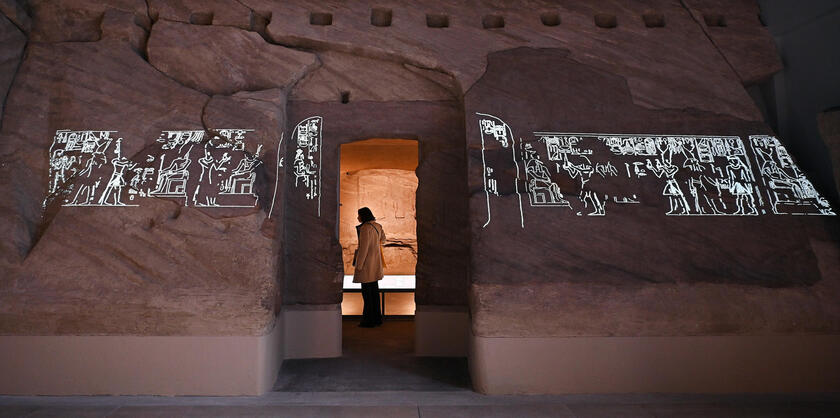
{"points": [[806, 36]]}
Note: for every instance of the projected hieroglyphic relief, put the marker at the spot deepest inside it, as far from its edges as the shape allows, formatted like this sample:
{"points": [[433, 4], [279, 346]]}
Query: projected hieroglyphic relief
{"points": [[694, 175], [306, 165], [788, 191], [87, 168]]}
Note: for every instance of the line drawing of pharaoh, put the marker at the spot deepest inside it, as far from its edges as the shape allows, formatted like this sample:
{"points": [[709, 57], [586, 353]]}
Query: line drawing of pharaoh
{"points": [[788, 189], [241, 179], [114, 187], [542, 190], [172, 180], [739, 180]]}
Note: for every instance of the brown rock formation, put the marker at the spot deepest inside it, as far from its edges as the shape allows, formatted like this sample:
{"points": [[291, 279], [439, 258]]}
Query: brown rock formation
{"points": [[422, 73], [223, 60], [12, 41]]}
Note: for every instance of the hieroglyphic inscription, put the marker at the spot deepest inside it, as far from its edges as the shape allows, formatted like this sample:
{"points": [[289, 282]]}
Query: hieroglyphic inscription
{"points": [[696, 175], [88, 168], [306, 165]]}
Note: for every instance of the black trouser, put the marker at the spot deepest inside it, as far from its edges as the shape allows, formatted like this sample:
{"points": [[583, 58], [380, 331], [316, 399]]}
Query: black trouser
{"points": [[371, 314]]}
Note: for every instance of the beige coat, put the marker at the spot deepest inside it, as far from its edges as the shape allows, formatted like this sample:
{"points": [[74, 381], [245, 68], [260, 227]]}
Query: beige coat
{"points": [[369, 258]]}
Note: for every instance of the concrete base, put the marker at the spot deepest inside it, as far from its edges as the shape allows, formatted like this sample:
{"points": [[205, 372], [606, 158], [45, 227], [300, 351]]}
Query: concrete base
{"points": [[131, 365], [312, 331], [441, 331], [705, 364]]}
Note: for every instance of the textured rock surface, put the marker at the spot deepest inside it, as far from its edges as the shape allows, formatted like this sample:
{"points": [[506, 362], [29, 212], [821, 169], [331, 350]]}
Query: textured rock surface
{"points": [[156, 269], [204, 12], [829, 123], [675, 66], [736, 30], [632, 271], [649, 66], [77, 20], [368, 79], [223, 60], [14, 11], [12, 41]]}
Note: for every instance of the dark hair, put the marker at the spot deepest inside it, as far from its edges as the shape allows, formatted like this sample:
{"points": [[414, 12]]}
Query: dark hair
{"points": [[366, 214]]}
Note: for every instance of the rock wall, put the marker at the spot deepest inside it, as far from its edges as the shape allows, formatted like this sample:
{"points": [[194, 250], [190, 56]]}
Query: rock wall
{"points": [[610, 259], [304, 77]]}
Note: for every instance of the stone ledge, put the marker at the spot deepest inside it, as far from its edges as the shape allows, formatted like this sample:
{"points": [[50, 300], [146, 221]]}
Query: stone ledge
{"points": [[140, 365], [709, 364]]}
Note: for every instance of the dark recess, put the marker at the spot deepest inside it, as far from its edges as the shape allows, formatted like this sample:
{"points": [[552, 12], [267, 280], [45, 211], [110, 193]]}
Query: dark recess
{"points": [[607, 21], [380, 17], [654, 20], [550, 18], [437, 21], [320, 19], [345, 97], [493, 22], [714, 20]]}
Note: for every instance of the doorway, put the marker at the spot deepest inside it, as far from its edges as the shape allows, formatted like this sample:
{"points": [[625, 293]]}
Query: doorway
{"points": [[380, 174]]}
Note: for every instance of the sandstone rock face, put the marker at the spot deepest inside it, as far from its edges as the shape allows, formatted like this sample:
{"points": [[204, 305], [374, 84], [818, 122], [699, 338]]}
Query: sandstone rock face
{"points": [[369, 80], [223, 60], [747, 48], [204, 12], [12, 41], [428, 72], [13, 10], [160, 268], [629, 270], [669, 67], [77, 20]]}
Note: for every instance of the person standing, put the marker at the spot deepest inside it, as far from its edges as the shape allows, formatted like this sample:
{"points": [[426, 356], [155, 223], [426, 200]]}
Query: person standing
{"points": [[369, 264]]}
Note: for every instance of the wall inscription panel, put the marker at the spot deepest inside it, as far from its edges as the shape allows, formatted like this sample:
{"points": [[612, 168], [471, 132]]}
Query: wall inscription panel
{"points": [[587, 174]]}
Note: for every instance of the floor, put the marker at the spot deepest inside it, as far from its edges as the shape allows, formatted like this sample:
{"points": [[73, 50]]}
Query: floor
{"points": [[375, 359], [379, 377]]}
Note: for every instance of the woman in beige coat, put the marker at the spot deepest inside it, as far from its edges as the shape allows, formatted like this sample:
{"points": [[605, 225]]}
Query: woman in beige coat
{"points": [[369, 266]]}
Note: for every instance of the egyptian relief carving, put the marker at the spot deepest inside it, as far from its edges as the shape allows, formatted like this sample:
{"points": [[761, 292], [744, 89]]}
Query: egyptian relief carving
{"points": [[87, 168], [696, 175], [306, 165]]}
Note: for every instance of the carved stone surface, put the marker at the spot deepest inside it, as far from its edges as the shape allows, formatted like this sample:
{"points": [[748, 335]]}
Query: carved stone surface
{"points": [[223, 60], [77, 20], [670, 67], [204, 12], [161, 268], [369, 79], [737, 32], [12, 41], [280, 69], [660, 265]]}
